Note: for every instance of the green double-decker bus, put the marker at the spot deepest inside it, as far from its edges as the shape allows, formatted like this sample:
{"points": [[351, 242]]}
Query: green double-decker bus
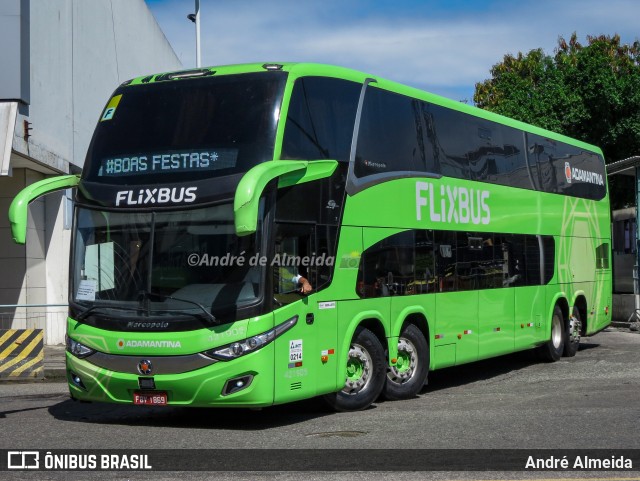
{"points": [[252, 235]]}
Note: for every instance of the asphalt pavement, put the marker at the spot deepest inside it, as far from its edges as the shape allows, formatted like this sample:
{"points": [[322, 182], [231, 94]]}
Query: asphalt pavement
{"points": [[591, 401]]}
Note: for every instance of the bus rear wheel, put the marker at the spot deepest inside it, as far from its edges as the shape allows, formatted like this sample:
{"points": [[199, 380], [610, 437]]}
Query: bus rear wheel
{"points": [[552, 350], [574, 326], [365, 374], [406, 378]]}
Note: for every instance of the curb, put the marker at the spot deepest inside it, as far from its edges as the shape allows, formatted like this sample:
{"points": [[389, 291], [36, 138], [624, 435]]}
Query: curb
{"points": [[55, 374], [623, 325]]}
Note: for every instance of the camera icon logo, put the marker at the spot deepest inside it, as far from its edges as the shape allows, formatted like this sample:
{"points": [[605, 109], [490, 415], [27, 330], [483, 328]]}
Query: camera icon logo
{"points": [[350, 261]]}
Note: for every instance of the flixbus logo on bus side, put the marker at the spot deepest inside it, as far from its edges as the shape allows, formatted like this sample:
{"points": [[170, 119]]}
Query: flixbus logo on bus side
{"points": [[452, 205]]}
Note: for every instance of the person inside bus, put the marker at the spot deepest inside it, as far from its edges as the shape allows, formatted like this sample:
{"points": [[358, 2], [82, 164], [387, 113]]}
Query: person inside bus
{"points": [[303, 283], [287, 277], [289, 280]]}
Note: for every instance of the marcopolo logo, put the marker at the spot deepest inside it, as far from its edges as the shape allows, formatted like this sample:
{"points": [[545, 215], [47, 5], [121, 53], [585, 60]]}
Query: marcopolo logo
{"points": [[573, 173], [147, 325], [452, 205], [162, 195]]}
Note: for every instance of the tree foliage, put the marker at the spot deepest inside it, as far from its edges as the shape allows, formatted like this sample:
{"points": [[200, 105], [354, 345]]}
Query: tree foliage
{"points": [[588, 92]]}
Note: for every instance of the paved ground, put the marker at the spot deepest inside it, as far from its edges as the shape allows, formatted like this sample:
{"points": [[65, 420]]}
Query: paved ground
{"points": [[54, 362], [590, 401]]}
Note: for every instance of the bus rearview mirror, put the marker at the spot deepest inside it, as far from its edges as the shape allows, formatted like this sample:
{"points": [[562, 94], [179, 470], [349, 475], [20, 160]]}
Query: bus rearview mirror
{"points": [[253, 183], [19, 207]]}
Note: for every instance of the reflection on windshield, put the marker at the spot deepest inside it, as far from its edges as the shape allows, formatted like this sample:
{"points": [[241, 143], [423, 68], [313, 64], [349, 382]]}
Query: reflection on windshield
{"points": [[163, 262], [198, 128]]}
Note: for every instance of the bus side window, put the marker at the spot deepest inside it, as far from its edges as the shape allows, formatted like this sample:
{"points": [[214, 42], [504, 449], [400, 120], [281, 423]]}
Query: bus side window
{"points": [[425, 280], [388, 268], [510, 249], [488, 267], [293, 249], [448, 133], [446, 258], [602, 256], [323, 256], [317, 207], [320, 119], [549, 246], [392, 135]]}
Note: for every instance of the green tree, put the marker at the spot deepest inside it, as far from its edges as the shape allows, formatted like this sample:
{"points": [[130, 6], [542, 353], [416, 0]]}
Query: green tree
{"points": [[589, 92]]}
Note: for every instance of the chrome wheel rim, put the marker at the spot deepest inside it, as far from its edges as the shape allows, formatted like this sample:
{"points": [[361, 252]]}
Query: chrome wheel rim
{"points": [[359, 369], [574, 330], [407, 362], [556, 332]]}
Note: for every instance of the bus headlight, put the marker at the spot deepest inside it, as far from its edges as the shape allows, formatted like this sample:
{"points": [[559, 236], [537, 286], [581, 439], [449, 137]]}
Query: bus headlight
{"points": [[78, 349], [251, 344]]}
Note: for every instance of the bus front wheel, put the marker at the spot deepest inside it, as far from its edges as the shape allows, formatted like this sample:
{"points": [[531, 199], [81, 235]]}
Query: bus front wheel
{"points": [[552, 350], [409, 374], [365, 373]]}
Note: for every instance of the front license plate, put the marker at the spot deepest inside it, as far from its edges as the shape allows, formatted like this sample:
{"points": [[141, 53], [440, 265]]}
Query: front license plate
{"points": [[150, 398]]}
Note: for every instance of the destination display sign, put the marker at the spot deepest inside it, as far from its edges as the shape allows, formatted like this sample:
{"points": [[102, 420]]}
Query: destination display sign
{"points": [[175, 161]]}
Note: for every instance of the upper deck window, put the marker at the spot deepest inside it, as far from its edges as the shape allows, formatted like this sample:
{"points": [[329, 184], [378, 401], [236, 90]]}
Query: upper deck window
{"points": [[186, 129], [320, 120], [391, 136], [400, 134]]}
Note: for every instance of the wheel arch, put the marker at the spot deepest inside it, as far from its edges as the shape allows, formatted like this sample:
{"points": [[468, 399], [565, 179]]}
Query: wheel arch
{"points": [[419, 320], [560, 300], [412, 315], [372, 320], [580, 302], [563, 304], [375, 326]]}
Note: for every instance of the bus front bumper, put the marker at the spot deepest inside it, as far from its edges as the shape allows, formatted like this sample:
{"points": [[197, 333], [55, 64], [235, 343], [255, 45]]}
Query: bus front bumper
{"points": [[213, 385]]}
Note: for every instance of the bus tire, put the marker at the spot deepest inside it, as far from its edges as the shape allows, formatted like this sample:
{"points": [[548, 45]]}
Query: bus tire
{"points": [[552, 350], [365, 373], [409, 375], [572, 338]]}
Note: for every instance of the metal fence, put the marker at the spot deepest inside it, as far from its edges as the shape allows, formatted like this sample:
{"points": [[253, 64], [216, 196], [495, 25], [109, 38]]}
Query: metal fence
{"points": [[51, 318]]}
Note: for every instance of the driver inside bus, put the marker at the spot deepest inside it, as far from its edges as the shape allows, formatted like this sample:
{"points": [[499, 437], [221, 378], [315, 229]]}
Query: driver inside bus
{"points": [[288, 280], [287, 277], [305, 287]]}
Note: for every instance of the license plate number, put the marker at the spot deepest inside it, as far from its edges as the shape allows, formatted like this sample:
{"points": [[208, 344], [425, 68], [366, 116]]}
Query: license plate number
{"points": [[150, 398]]}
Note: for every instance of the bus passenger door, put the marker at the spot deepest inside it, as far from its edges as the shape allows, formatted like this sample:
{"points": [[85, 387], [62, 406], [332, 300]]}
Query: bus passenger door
{"points": [[305, 360]]}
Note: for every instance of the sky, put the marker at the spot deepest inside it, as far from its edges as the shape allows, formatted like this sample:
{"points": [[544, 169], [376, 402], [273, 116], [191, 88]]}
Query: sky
{"points": [[443, 46]]}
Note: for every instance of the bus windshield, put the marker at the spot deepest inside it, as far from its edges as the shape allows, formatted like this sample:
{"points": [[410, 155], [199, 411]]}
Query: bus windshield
{"points": [[184, 129], [163, 263]]}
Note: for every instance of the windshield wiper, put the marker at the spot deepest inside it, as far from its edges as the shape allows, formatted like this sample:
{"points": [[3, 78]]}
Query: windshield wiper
{"points": [[154, 296], [83, 315]]}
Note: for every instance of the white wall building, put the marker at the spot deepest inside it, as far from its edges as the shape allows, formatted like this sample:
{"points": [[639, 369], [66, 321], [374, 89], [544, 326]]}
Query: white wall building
{"points": [[59, 63]]}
